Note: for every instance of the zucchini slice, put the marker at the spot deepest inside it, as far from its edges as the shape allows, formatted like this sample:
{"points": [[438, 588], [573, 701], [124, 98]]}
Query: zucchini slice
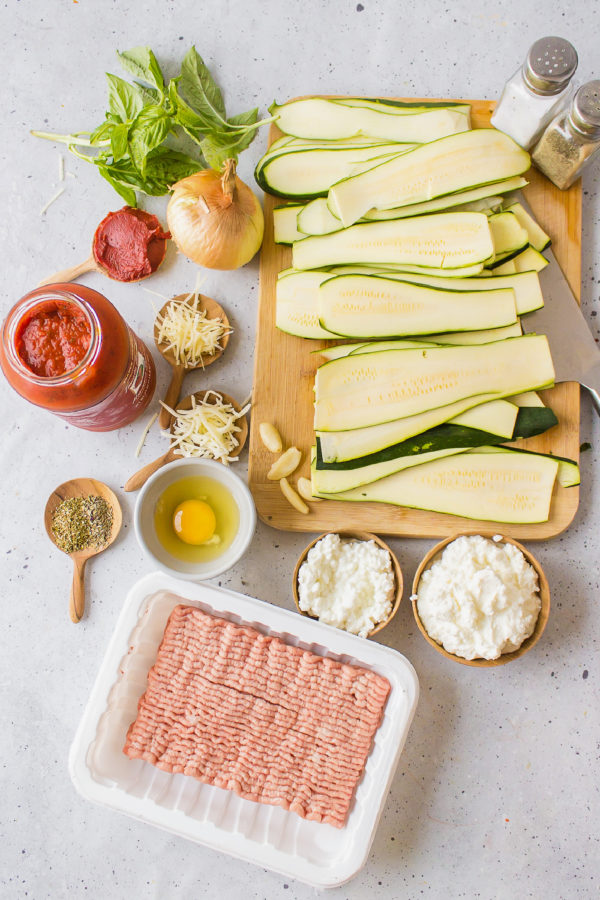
{"points": [[533, 420], [527, 399], [489, 336], [342, 446], [530, 260], [316, 218], [443, 240], [455, 338], [538, 238], [374, 388], [297, 305], [337, 350], [316, 117], [452, 164], [498, 417], [446, 436], [568, 474], [328, 480], [401, 107], [289, 143], [398, 270], [285, 229], [486, 191], [507, 267], [304, 174], [508, 235], [499, 487], [367, 306], [526, 285], [379, 346]]}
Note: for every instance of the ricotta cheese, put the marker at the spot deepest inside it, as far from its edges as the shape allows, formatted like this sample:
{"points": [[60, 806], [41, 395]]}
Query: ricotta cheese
{"points": [[479, 599], [349, 584]]}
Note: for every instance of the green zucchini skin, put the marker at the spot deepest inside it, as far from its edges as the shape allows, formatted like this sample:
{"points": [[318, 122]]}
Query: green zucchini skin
{"points": [[422, 104], [530, 421]]}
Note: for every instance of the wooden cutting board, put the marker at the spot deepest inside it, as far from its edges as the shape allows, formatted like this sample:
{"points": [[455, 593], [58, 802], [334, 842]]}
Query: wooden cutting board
{"points": [[283, 392]]}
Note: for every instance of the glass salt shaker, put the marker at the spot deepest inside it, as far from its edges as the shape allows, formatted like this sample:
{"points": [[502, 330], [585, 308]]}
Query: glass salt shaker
{"points": [[537, 91], [571, 141]]}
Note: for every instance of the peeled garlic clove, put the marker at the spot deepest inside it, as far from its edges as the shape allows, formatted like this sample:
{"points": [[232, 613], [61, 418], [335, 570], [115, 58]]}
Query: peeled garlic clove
{"points": [[270, 437], [287, 463], [292, 497], [305, 490]]}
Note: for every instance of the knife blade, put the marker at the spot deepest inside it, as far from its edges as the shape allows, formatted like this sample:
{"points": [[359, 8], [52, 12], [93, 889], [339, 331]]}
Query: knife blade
{"points": [[575, 353]]}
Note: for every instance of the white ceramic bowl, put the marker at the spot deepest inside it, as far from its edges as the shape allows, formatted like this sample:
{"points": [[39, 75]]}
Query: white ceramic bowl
{"points": [[144, 518]]}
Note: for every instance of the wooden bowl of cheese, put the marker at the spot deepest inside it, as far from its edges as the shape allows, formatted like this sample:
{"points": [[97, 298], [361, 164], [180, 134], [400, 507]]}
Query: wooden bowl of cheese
{"points": [[372, 557], [464, 606]]}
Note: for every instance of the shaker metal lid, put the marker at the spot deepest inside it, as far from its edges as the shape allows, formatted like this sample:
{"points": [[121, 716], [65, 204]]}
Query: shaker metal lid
{"points": [[550, 65], [585, 113]]}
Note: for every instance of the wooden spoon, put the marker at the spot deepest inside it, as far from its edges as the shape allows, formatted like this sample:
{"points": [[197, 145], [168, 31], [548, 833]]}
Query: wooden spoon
{"points": [[213, 311], [140, 478], [156, 255], [82, 487]]}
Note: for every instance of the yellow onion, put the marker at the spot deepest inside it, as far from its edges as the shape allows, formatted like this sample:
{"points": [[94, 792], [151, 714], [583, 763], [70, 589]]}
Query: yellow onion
{"points": [[215, 219]]}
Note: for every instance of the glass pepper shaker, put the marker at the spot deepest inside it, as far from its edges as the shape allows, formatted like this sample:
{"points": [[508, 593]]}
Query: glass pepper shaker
{"points": [[537, 91], [572, 139]]}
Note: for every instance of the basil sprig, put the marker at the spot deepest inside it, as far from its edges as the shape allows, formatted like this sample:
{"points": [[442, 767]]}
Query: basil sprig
{"points": [[137, 148]]}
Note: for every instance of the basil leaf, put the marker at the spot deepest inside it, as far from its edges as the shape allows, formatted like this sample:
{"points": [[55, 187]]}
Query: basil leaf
{"points": [[169, 166], [221, 145], [124, 102], [163, 168], [101, 133], [193, 124], [141, 63], [149, 96], [126, 193], [247, 118], [200, 89], [119, 141], [149, 129]]}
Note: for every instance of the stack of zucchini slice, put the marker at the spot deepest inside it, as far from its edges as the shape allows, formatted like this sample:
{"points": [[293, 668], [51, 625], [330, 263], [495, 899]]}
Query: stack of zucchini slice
{"points": [[405, 245]]}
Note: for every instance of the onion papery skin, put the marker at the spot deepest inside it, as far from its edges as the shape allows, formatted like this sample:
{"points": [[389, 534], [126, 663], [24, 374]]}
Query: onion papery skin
{"points": [[215, 219]]}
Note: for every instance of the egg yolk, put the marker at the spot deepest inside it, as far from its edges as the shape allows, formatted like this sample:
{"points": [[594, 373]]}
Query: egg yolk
{"points": [[194, 522]]}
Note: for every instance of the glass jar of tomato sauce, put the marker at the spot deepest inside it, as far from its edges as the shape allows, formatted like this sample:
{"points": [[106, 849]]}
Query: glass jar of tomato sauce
{"points": [[65, 348]]}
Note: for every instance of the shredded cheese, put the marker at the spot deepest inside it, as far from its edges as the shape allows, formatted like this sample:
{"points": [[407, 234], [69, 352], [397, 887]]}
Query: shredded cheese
{"points": [[145, 434], [156, 294], [61, 167], [208, 429], [47, 205], [188, 332]]}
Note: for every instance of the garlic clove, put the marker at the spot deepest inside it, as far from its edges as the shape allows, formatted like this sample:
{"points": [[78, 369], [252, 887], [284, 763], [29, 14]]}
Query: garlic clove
{"points": [[305, 490], [270, 437], [293, 497], [287, 463]]}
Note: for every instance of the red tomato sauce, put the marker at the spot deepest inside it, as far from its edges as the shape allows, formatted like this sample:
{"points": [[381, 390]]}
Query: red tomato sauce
{"points": [[53, 339], [129, 244], [67, 349]]}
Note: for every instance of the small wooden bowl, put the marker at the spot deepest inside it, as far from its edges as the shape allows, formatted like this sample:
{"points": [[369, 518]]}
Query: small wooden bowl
{"points": [[213, 310], [357, 536], [542, 619]]}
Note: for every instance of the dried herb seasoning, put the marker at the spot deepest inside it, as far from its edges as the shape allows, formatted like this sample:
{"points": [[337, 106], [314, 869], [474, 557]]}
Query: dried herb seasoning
{"points": [[79, 523]]}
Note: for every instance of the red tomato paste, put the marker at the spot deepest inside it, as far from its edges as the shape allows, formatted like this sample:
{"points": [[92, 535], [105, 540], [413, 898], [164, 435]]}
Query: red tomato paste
{"points": [[129, 244], [53, 338]]}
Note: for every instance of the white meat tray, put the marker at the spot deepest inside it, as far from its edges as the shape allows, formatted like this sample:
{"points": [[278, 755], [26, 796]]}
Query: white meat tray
{"points": [[269, 836]]}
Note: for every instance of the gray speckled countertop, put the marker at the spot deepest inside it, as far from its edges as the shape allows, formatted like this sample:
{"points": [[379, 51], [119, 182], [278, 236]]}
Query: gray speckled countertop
{"points": [[496, 794]]}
